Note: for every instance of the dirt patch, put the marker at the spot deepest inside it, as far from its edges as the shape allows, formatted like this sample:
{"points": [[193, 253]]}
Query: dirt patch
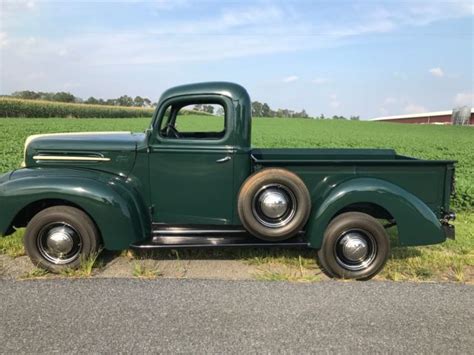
{"points": [[13, 268], [192, 269], [124, 266]]}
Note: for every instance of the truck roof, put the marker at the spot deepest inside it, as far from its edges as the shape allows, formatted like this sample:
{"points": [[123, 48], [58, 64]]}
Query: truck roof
{"points": [[232, 90]]}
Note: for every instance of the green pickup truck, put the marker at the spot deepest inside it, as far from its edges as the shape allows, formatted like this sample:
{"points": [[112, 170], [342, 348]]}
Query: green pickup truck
{"points": [[195, 181]]}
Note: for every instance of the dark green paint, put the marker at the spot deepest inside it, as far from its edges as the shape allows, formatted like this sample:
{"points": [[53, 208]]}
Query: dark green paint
{"points": [[416, 222], [151, 178], [113, 203]]}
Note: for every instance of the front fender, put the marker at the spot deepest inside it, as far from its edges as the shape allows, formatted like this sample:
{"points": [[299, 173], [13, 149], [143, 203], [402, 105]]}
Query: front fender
{"points": [[417, 224], [112, 202]]}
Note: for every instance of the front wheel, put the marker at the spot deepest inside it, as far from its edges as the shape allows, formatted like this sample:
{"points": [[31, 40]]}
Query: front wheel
{"points": [[58, 237], [355, 246]]}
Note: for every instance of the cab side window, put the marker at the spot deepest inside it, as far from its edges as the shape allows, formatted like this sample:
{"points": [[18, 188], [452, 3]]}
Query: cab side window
{"points": [[194, 121]]}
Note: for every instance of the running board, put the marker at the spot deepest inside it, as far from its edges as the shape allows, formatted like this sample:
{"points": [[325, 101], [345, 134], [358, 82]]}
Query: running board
{"points": [[158, 229], [177, 237]]}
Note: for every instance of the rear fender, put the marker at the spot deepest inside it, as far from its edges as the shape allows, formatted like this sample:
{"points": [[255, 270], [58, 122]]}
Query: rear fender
{"points": [[112, 202], [417, 224]]}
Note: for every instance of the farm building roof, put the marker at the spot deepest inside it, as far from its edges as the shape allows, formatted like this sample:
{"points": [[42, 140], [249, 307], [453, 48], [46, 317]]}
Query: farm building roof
{"points": [[416, 115]]}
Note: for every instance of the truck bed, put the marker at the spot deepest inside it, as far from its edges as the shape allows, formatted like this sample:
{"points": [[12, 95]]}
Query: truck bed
{"points": [[312, 155], [429, 180]]}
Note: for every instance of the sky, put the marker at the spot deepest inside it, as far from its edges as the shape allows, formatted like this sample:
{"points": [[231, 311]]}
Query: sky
{"points": [[367, 58]]}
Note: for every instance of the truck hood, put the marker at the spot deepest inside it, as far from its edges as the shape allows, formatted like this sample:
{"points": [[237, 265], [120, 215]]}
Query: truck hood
{"points": [[108, 151]]}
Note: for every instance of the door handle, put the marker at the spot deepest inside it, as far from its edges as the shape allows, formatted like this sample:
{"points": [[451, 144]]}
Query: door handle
{"points": [[223, 160]]}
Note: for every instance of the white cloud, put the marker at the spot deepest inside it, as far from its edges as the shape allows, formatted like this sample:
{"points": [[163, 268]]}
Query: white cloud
{"points": [[390, 101], [3, 39], [438, 72], [31, 4], [63, 52], [414, 108], [290, 79], [464, 98], [320, 81], [334, 101], [168, 4], [237, 31]]}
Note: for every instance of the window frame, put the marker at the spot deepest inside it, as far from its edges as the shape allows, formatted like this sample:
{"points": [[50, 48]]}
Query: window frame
{"points": [[177, 103]]}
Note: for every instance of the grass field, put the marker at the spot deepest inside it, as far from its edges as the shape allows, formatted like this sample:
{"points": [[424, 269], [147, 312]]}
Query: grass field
{"points": [[453, 260]]}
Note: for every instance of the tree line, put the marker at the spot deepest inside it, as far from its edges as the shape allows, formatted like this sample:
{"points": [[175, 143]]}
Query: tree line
{"points": [[62, 96], [258, 109], [263, 110]]}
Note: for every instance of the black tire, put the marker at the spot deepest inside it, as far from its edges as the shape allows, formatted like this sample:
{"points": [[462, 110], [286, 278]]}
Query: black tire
{"points": [[284, 183], [351, 235], [72, 227]]}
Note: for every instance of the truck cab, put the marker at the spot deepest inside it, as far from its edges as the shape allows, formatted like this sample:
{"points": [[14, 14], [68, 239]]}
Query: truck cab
{"points": [[196, 171]]}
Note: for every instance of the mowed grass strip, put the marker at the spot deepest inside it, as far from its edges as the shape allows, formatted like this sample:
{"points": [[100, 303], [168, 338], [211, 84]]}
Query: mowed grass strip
{"points": [[452, 260]]}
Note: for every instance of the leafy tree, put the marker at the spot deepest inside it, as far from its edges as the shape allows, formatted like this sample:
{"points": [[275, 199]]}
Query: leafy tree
{"points": [[302, 114], [92, 100], [257, 109], [138, 101], [63, 97], [267, 111], [146, 102], [28, 95], [285, 112], [208, 109], [354, 118], [125, 100]]}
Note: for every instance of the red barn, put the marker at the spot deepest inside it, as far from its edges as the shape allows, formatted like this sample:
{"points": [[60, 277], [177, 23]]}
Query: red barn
{"points": [[439, 117]]}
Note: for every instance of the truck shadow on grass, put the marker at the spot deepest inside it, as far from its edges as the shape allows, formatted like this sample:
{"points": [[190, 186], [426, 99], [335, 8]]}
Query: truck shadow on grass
{"points": [[274, 264], [251, 255]]}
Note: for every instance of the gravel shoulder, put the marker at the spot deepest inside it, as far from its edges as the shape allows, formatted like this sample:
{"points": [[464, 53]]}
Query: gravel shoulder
{"points": [[115, 266], [212, 316]]}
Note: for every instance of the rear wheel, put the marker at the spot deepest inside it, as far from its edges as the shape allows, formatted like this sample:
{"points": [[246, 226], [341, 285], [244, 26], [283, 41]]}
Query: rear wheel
{"points": [[58, 237], [355, 246], [274, 204]]}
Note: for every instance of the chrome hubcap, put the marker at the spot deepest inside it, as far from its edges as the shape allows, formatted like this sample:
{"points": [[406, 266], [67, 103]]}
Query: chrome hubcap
{"points": [[354, 247], [355, 250], [274, 205], [59, 243]]}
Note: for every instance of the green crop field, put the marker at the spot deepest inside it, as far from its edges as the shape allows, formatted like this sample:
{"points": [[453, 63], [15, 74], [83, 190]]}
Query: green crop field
{"points": [[453, 260]]}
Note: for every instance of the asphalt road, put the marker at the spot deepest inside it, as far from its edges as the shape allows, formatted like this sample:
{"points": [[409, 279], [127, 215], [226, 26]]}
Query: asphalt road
{"points": [[129, 315]]}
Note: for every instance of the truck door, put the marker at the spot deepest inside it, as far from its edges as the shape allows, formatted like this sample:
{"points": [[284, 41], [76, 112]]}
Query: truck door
{"points": [[191, 161]]}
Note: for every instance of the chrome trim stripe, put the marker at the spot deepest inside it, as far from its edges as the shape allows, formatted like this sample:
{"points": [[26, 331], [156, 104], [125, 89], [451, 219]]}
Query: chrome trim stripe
{"points": [[71, 158], [29, 139]]}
